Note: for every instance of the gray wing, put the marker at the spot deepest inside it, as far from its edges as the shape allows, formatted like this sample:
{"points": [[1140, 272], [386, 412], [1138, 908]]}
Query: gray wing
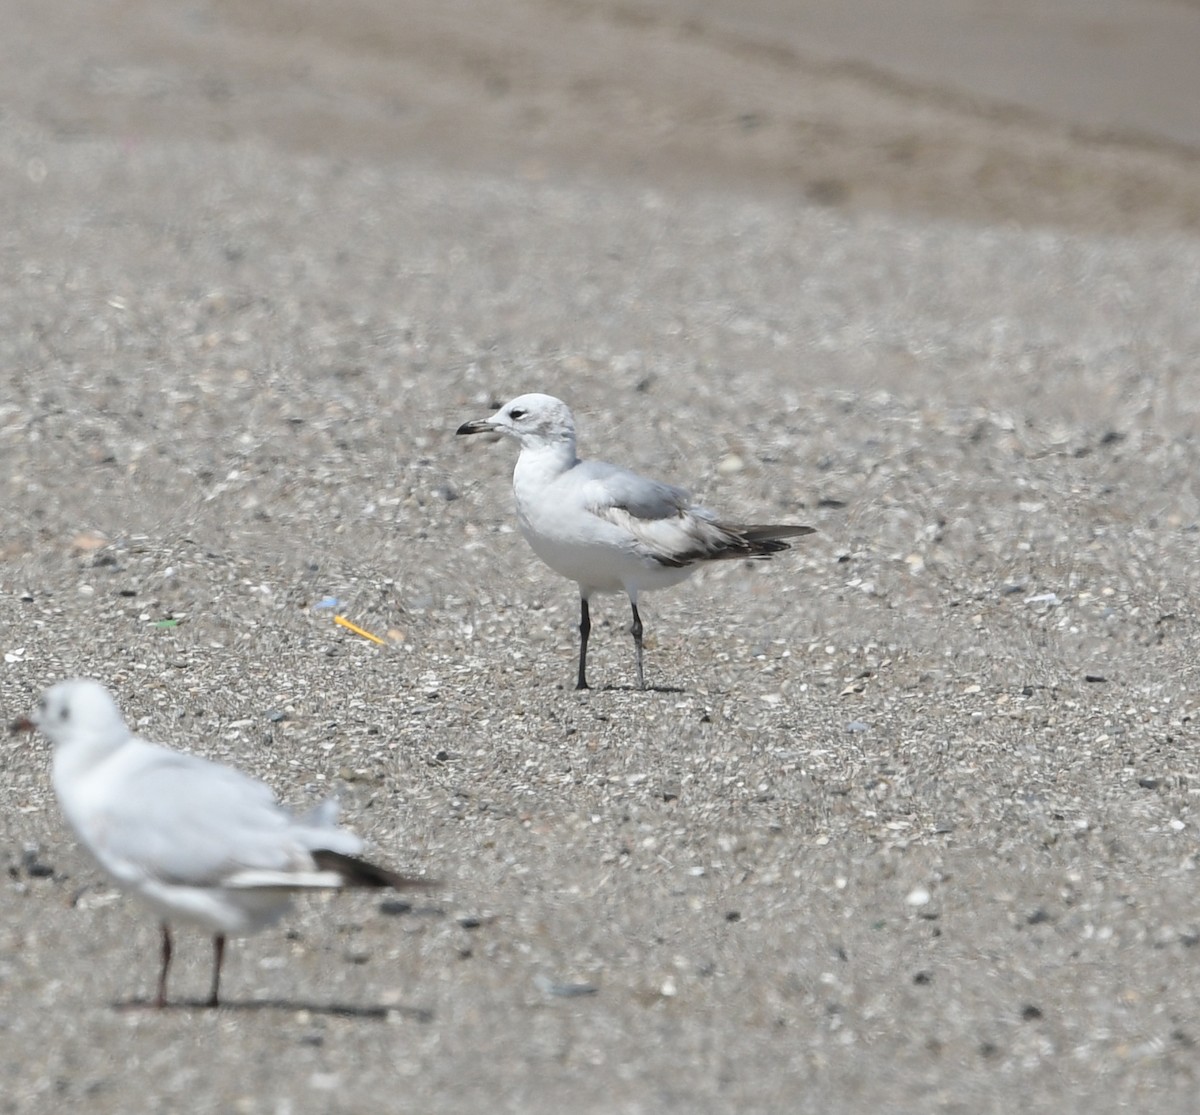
{"points": [[604, 486], [184, 820], [663, 524]]}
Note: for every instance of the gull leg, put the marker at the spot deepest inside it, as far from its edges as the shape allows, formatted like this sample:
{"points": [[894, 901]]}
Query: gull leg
{"points": [[635, 629], [218, 956], [585, 629], [160, 1000]]}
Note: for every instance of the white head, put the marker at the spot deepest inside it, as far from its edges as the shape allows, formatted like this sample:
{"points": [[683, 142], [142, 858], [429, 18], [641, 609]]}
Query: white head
{"points": [[79, 711], [533, 420]]}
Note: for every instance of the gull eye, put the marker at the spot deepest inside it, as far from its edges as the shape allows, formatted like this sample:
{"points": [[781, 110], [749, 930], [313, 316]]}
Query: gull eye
{"points": [[64, 713], [517, 413]]}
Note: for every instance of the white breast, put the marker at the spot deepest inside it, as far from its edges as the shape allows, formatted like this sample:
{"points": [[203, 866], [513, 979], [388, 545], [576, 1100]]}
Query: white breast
{"points": [[591, 549]]}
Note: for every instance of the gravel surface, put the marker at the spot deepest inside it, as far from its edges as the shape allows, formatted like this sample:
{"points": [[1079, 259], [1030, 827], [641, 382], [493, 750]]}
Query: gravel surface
{"points": [[906, 821]]}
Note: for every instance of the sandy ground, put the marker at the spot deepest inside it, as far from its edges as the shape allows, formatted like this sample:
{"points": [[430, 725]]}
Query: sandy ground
{"points": [[907, 820]]}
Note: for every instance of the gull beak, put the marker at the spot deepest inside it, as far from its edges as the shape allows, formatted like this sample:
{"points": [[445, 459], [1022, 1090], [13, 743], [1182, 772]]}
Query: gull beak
{"points": [[22, 725], [477, 426]]}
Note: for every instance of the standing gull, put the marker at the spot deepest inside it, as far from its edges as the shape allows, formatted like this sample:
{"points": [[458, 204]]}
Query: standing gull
{"points": [[604, 527], [199, 841]]}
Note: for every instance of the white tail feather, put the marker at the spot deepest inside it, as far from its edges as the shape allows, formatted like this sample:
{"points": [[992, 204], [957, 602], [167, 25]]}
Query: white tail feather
{"points": [[284, 880]]}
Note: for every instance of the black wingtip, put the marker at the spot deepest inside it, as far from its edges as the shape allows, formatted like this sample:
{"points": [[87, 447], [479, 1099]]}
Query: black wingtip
{"points": [[759, 533], [359, 873], [764, 540]]}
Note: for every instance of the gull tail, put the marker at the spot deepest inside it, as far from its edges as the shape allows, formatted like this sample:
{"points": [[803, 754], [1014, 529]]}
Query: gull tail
{"points": [[762, 541], [773, 533], [354, 872]]}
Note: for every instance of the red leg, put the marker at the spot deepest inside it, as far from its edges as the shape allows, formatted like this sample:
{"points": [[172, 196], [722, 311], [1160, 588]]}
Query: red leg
{"points": [[160, 1000], [218, 957]]}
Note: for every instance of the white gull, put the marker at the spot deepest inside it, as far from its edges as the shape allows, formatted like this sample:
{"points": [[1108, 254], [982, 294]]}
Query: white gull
{"points": [[198, 841], [604, 527]]}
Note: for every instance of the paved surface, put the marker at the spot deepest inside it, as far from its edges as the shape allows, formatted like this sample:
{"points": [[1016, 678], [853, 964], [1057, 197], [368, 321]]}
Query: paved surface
{"points": [[907, 821]]}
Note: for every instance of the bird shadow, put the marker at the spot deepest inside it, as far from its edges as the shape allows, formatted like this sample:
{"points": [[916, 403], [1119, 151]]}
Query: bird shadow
{"points": [[288, 1006], [635, 689]]}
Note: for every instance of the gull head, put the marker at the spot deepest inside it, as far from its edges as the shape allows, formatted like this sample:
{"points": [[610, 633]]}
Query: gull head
{"points": [[533, 420], [76, 711]]}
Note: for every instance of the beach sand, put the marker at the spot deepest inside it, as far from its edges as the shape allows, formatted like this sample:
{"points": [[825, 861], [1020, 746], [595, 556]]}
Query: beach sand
{"points": [[906, 819]]}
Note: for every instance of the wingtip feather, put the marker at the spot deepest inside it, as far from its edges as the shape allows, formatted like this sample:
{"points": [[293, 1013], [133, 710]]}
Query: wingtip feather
{"points": [[356, 872]]}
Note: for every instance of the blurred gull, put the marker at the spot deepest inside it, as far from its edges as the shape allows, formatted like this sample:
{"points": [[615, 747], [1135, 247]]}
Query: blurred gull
{"points": [[200, 842], [604, 527]]}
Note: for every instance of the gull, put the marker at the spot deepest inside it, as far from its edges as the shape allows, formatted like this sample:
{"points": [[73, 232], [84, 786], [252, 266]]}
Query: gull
{"points": [[604, 527], [199, 841]]}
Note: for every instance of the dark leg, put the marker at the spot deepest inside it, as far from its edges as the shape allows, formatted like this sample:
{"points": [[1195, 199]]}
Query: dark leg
{"points": [[218, 956], [635, 630], [585, 629], [160, 1000]]}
